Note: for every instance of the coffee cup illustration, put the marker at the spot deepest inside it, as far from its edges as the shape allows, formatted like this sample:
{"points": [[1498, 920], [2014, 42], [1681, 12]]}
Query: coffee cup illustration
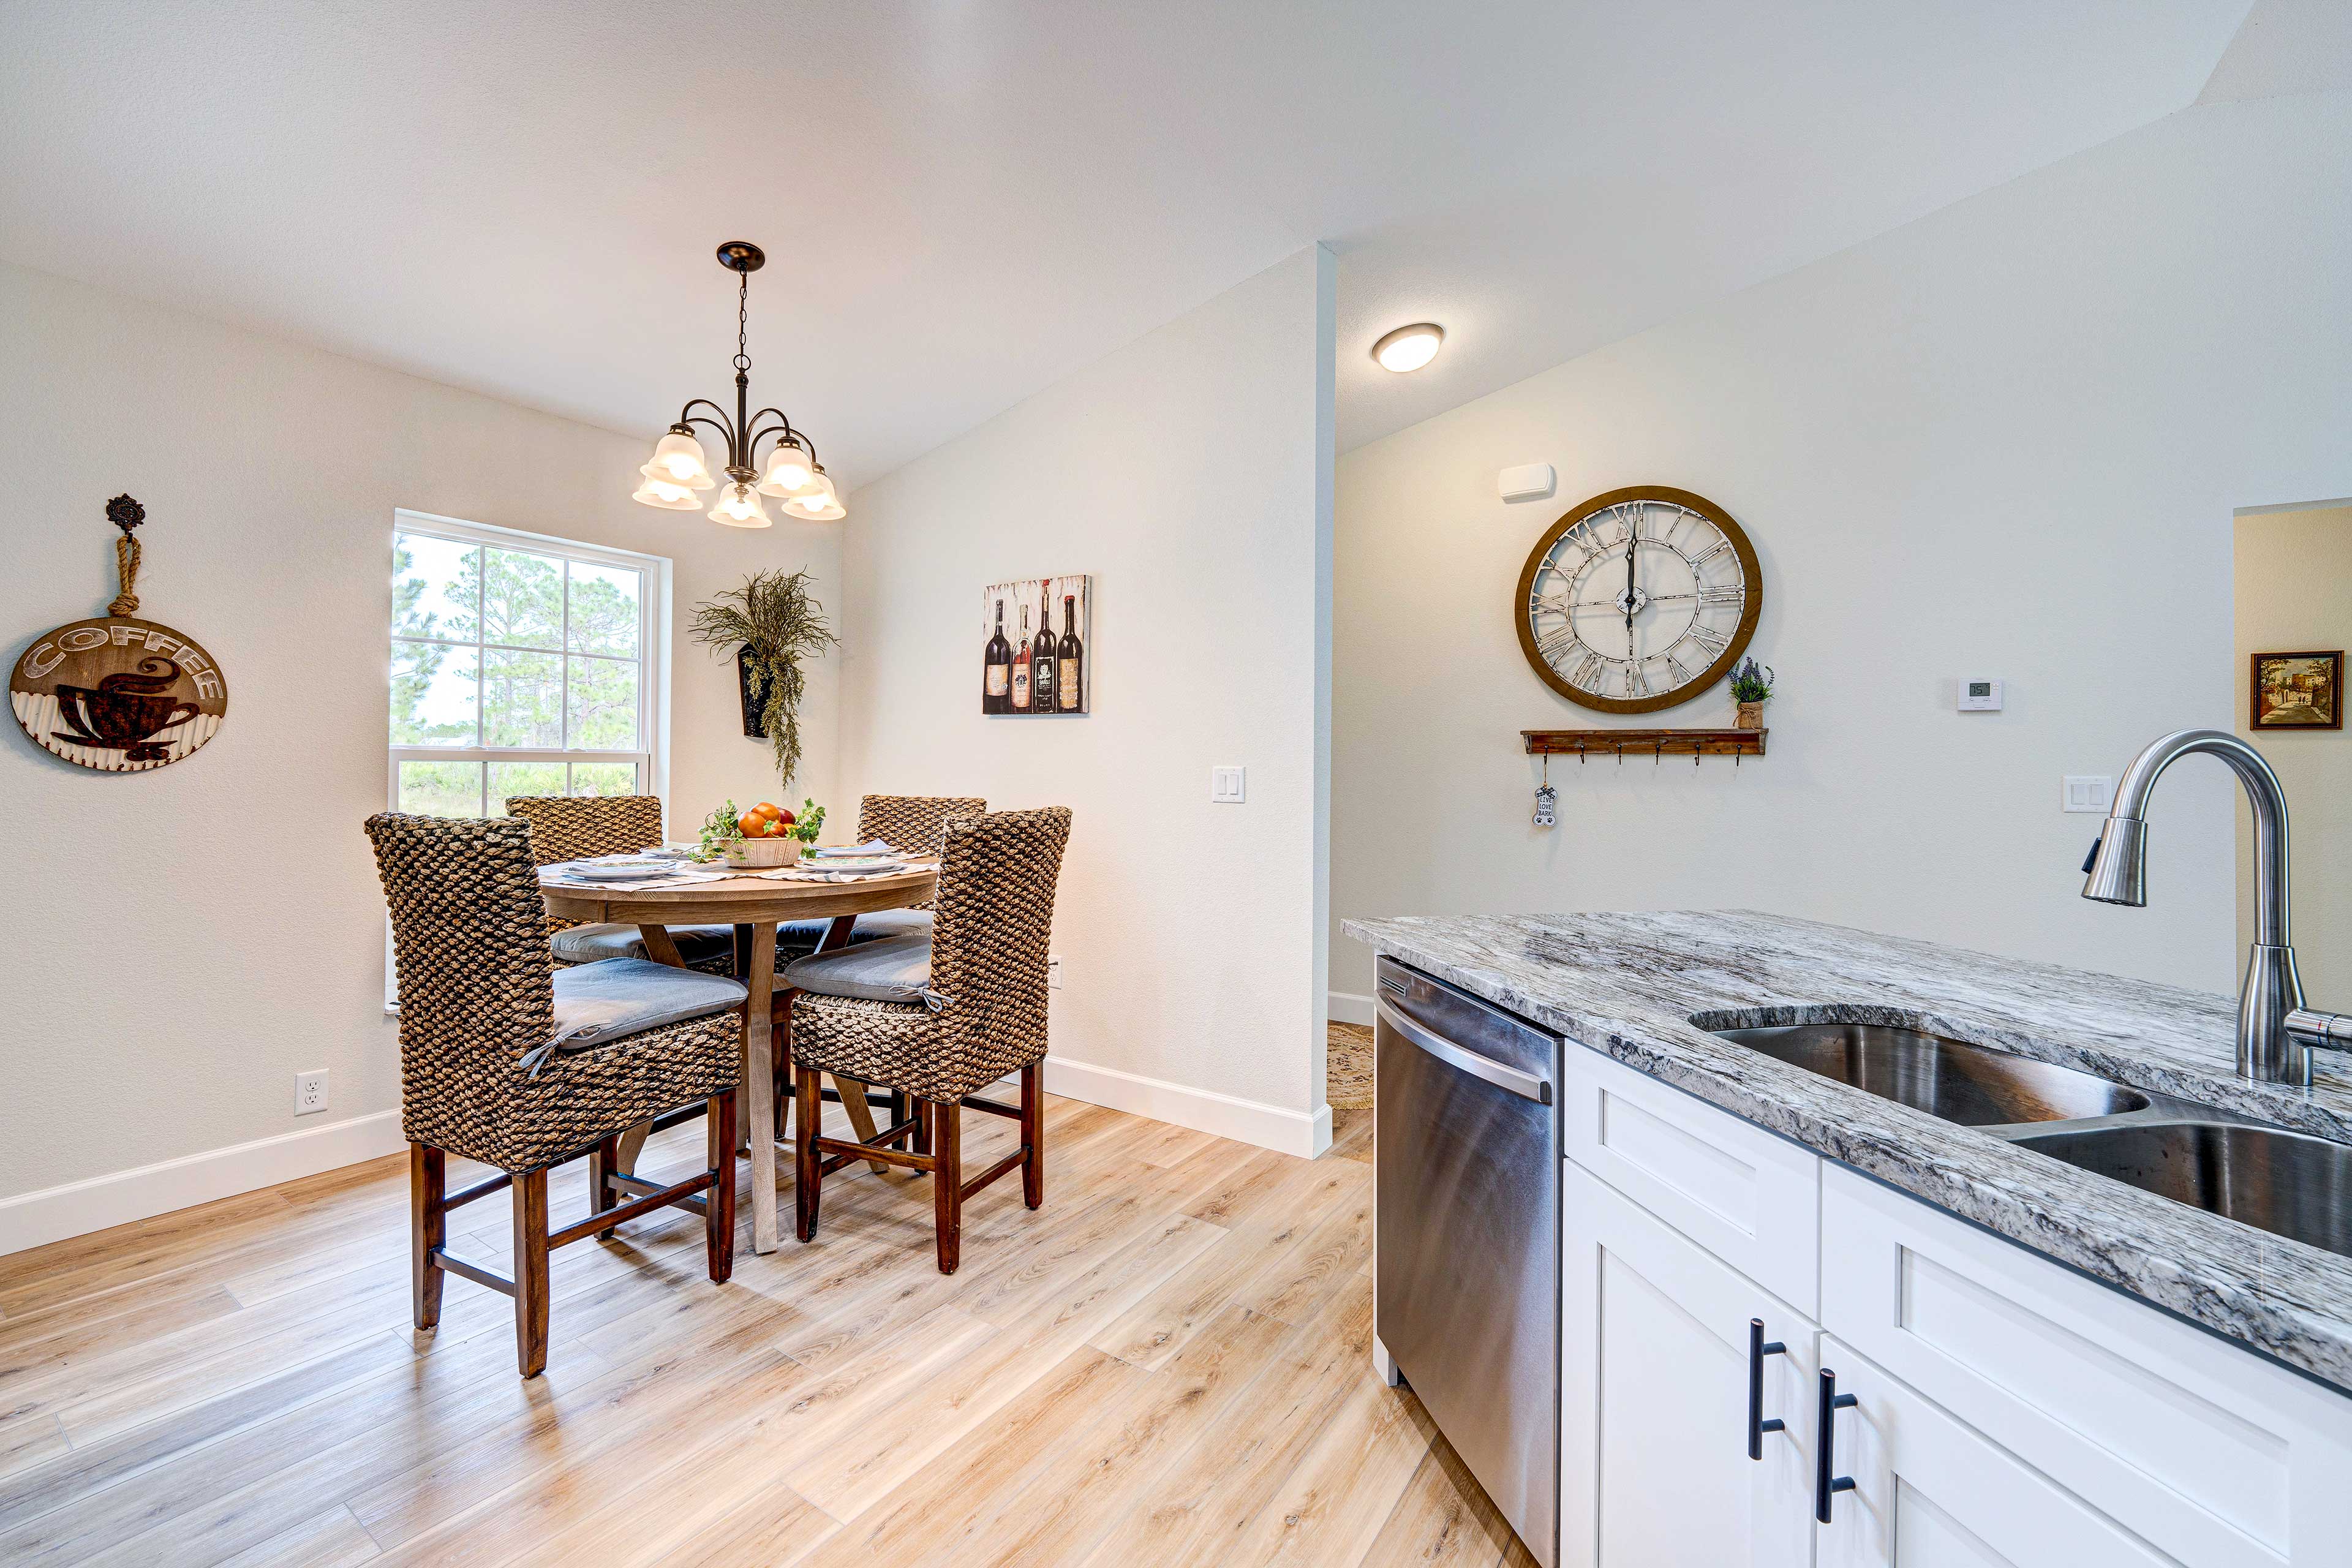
{"points": [[128, 710]]}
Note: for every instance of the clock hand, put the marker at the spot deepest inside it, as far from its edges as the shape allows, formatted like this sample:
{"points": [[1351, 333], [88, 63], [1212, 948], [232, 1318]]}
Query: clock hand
{"points": [[1631, 540]]}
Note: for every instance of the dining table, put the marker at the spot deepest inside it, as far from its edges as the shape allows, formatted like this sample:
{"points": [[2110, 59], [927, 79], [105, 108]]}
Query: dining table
{"points": [[752, 903]]}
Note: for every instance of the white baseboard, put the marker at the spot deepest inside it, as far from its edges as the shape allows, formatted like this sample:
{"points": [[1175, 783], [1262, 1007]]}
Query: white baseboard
{"points": [[1346, 1007], [1204, 1110], [77, 1208]]}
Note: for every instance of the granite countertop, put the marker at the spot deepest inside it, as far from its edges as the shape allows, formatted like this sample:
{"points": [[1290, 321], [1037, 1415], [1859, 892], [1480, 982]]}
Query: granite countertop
{"points": [[1628, 984]]}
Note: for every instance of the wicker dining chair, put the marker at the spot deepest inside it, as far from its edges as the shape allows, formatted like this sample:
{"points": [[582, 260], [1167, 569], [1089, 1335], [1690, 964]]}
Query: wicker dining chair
{"points": [[507, 1060], [918, 823], [938, 1017]]}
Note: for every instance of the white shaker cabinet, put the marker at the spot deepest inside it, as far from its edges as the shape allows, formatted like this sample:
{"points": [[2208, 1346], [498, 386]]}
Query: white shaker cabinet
{"points": [[1655, 1435], [1931, 1493], [2006, 1410]]}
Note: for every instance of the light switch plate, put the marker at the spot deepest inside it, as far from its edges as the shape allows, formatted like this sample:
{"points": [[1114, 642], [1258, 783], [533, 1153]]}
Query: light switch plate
{"points": [[1228, 786], [1978, 695], [2091, 792]]}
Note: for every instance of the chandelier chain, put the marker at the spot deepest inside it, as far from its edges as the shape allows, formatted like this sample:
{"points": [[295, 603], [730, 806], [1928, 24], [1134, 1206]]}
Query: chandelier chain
{"points": [[743, 320]]}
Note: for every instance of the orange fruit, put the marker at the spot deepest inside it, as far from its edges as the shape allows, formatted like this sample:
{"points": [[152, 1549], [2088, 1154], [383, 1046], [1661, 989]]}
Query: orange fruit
{"points": [[751, 825], [768, 810]]}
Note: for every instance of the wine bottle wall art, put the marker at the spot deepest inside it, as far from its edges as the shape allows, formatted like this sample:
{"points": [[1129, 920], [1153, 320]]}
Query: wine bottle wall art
{"points": [[1035, 660]]}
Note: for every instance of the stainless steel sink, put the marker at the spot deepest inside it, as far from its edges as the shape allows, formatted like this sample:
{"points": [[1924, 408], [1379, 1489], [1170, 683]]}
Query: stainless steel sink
{"points": [[1947, 1078], [2288, 1183]]}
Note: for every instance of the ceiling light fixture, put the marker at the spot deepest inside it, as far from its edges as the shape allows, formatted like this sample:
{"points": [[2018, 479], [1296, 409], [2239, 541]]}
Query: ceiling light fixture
{"points": [[678, 469], [1409, 348]]}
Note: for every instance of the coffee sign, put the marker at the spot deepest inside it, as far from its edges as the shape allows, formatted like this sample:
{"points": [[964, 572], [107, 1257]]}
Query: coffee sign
{"points": [[114, 693], [118, 694]]}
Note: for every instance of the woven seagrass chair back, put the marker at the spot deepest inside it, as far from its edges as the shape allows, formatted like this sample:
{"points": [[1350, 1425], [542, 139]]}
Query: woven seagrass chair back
{"points": [[995, 926], [575, 827], [476, 988], [572, 827], [918, 823]]}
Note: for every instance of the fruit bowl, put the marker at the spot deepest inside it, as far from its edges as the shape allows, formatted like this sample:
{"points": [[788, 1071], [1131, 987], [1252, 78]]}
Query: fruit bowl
{"points": [[781, 850]]}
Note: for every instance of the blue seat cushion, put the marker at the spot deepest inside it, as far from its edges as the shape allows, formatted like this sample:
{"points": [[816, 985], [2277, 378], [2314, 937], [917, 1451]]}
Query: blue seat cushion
{"points": [[590, 943], [596, 1003], [895, 969], [882, 924]]}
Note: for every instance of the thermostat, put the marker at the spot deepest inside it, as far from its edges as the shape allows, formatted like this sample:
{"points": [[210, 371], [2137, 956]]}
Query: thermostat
{"points": [[1979, 696], [1528, 481]]}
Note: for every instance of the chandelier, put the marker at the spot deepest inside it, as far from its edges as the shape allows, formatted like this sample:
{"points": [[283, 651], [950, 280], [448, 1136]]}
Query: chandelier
{"points": [[679, 469]]}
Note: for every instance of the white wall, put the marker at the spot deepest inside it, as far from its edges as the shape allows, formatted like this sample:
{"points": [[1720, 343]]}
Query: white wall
{"points": [[1190, 473], [2294, 580], [181, 942], [2005, 440]]}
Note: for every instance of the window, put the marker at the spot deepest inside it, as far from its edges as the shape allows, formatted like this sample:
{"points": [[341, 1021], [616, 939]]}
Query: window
{"points": [[521, 665]]}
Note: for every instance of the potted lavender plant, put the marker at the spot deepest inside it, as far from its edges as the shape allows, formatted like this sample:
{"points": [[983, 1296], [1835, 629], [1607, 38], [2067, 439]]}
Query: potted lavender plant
{"points": [[1751, 687]]}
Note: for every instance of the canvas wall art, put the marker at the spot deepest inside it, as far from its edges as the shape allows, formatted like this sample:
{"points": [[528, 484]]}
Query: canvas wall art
{"points": [[1035, 659]]}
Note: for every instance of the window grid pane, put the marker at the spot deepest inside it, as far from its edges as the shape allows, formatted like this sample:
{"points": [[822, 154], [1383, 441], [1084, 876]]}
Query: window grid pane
{"points": [[562, 669]]}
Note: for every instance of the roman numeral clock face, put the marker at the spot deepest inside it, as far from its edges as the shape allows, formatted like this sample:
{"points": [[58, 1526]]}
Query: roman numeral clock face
{"points": [[1639, 599]]}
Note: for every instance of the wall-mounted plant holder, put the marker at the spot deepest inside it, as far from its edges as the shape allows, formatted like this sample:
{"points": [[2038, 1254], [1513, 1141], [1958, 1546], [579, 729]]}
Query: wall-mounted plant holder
{"points": [[1587, 744]]}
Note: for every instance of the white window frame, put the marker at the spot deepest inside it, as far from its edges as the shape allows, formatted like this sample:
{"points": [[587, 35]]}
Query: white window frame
{"points": [[651, 758]]}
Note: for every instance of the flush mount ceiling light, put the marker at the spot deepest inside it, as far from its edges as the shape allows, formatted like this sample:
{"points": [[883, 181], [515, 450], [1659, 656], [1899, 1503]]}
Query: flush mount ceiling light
{"points": [[1409, 348], [678, 469]]}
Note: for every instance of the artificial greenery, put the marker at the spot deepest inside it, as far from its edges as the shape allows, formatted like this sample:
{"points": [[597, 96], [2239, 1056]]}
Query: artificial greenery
{"points": [[1750, 681], [776, 623]]}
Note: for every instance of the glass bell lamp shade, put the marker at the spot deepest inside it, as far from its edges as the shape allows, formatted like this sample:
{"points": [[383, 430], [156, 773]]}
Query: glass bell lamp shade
{"points": [[791, 471], [667, 496], [679, 460], [818, 503], [739, 507]]}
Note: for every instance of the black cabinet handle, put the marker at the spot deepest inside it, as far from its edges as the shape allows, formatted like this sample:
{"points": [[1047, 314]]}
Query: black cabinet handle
{"points": [[1825, 1484], [1757, 1351]]}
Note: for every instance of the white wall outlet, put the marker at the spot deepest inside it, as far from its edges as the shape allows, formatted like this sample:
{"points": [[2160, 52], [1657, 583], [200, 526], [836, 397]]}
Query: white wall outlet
{"points": [[1228, 786], [1053, 971], [1979, 696], [2093, 792], [311, 1092]]}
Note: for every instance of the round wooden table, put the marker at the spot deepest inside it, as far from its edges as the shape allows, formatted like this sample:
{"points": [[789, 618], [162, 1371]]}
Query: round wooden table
{"points": [[753, 906]]}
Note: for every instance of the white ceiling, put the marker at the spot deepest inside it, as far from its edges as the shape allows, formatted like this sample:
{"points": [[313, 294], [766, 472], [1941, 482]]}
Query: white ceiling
{"points": [[963, 200]]}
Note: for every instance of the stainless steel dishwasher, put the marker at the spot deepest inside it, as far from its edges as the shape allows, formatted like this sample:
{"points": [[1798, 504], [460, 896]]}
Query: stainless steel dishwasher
{"points": [[1467, 1271]]}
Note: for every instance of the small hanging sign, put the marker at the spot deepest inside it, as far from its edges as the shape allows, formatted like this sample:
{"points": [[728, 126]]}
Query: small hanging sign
{"points": [[116, 693]]}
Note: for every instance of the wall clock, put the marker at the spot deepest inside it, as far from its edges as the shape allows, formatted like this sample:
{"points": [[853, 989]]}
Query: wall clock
{"points": [[1638, 599]]}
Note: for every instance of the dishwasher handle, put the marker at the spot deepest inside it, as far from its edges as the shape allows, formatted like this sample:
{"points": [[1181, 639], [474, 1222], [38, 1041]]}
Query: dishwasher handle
{"points": [[1526, 1086]]}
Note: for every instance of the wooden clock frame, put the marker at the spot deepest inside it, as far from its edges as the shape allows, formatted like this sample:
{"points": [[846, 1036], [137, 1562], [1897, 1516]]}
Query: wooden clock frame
{"points": [[1751, 574]]}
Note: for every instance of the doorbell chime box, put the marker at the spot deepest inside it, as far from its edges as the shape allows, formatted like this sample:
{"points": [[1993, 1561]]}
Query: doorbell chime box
{"points": [[1528, 481]]}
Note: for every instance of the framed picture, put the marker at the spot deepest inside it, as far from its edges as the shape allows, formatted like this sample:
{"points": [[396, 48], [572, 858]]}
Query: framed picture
{"points": [[2298, 690], [1035, 661]]}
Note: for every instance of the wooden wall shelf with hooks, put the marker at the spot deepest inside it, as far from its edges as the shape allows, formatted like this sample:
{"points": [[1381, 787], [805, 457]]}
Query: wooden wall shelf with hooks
{"points": [[1645, 742]]}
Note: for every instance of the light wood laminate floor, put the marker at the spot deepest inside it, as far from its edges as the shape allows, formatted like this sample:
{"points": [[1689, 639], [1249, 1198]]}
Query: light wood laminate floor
{"points": [[1166, 1365]]}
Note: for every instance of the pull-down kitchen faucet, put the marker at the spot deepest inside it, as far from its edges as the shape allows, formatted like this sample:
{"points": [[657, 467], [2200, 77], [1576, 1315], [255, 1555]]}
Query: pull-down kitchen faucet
{"points": [[2277, 1032]]}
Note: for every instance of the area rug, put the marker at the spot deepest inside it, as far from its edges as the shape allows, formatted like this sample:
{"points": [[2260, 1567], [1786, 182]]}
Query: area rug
{"points": [[1348, 1066]]}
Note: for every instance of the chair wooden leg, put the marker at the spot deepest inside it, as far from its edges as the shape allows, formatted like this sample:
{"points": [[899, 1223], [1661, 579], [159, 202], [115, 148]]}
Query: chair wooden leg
{"points": [[604, 1161], [1033, 1135], [428, 1228], [947, 1183], [787, 1081], [719, 1217], [531, 1272], [918, 1142], [808, 1117]]}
